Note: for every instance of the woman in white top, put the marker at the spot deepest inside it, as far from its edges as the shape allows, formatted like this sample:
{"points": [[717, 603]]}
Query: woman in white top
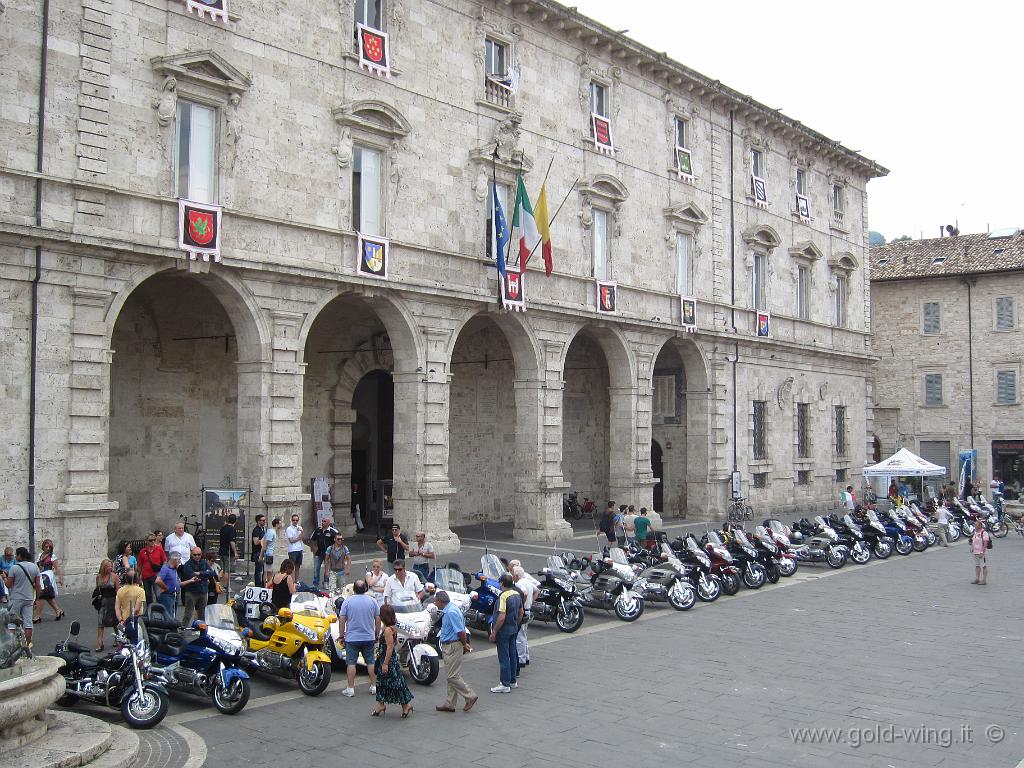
{"points": [[376, 579]]}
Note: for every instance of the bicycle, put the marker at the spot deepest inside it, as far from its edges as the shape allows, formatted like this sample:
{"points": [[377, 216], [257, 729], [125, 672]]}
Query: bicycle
{"points": [[739, 511], [194, 526]]}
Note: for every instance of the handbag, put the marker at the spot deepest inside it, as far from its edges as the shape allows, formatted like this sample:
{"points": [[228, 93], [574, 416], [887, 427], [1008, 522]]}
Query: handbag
{"points": [[988, 542], [97, 601]]}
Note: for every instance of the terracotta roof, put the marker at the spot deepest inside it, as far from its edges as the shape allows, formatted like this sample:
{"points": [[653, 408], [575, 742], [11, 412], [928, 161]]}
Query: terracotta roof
{"points": [[938, 257]]}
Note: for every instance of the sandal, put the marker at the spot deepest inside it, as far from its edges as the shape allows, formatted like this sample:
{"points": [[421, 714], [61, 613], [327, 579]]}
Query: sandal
{"points": [[377, 712], [59, 616], [98, 648], [406, 713]]}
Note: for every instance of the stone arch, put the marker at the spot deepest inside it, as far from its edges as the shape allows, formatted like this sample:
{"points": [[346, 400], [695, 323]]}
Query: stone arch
{"points": [[526, 349], [621, 362], [681, 422], [762, 237], [251, 327]]}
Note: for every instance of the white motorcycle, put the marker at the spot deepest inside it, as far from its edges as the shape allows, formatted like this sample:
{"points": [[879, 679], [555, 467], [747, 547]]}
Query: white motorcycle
{"points": [[415, 620]]}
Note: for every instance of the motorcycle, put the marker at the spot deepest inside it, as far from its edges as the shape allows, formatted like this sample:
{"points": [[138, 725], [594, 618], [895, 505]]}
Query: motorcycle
{"points": [[875, 535], [896, 529], [707, 584], [667, 582], [415, 622], [615, 588], [822, 542], [783, 561], [483, 599], [123, 680], [291, 645], [208, 664], [851, 536], [559, 599], [994, 522], [766, 553], [782, 535], [571, 506], [915, 529], [744, 556]]}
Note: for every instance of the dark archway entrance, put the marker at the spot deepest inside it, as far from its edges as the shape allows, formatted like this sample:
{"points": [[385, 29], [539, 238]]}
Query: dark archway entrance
{"points": [[656, 469], [373, 442], [586, 428]]}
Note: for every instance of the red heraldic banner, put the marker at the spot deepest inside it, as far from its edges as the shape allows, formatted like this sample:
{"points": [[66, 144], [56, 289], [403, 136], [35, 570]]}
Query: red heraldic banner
{"points": [[373, 256], [218, 9], [199, 230], [602, 134], [513, 290], [607, 297], [374, 53], [764, 325]]}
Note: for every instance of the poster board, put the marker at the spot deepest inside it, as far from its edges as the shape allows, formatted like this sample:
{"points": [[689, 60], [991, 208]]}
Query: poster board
{"points": [[217, 504]]}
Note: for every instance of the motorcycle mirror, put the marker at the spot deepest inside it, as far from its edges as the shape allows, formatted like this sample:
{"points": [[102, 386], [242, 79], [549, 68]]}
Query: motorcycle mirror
{"points": [[333, 619], [75, 628], [285, 613], [198, 626]]}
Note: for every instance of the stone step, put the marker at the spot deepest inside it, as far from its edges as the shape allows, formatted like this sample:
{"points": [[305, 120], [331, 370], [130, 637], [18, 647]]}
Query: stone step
{"points": [[75, 740]]}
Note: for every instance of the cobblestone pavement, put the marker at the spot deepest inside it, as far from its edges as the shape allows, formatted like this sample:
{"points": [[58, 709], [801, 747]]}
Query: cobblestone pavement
{"points": [[899, 663]]}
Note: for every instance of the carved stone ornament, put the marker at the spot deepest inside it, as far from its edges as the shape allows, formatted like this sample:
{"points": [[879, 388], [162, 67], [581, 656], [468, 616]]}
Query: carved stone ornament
{"points": [[343, 151], [166, 104], [785, 389]]}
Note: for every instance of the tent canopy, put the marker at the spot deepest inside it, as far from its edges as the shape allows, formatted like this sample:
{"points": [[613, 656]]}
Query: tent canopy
{"points": [[903, 463]]}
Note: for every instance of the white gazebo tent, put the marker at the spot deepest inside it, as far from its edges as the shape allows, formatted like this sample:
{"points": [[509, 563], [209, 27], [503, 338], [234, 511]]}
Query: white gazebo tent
{"points": [[904, 463]]}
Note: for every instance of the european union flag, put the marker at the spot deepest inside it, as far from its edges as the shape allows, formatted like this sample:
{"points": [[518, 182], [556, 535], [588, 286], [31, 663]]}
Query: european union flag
{"points": [[502, 234]]}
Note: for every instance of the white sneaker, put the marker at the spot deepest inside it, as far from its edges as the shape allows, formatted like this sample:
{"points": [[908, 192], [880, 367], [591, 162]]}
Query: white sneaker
{"points": [[350, 692], [501, 689], [515, 685], [373, 690]]}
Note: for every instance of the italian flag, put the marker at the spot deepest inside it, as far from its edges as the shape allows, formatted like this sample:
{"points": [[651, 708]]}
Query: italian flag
{"points": [[523, 220]]}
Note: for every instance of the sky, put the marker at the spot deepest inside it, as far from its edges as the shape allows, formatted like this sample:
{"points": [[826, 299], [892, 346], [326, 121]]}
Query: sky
{"points": [[931, 91]]}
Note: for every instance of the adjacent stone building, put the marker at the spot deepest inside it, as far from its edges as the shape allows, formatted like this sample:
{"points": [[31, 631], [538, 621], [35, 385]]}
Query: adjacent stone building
{"points": [[299, 355], [946, 329]]}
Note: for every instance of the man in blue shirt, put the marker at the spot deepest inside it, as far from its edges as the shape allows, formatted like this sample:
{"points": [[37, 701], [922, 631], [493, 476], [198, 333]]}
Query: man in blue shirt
{"points": [[359, 626], [195, 586], [454, 643]]}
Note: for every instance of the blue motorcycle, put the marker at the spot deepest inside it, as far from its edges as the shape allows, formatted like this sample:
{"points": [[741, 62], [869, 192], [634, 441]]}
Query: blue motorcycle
{"points": [[208, 664], [896, 529], [483, 599]]}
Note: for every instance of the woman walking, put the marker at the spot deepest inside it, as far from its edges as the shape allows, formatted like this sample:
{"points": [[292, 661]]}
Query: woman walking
{"points": [[49, 571], [282, 586], [391, 685], [104, 599], [980, 544]]}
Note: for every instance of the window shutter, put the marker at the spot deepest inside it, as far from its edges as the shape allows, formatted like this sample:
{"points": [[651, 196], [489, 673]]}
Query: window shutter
{"points": [[1004, 313], [1006, 387], [932, 322], [933, 389]]}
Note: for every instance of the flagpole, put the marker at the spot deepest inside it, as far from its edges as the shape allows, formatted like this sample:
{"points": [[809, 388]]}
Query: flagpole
{"points": [[494, 219], [522, 267], [574, 183], [515, 208]]}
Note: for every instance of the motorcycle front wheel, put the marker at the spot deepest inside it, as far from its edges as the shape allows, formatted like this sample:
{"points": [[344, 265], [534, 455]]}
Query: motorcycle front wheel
{"points": [[426, 671], [772, 569], [904, 546], [754, 576], [569, 618], [954, 532], [145, 711], [230, 699], [711, 592], [682, 596], [315, 681], [629, 608], [835, 558], [788, 566], [730, 583], [861, 554], [883, 549], [920, 546]]}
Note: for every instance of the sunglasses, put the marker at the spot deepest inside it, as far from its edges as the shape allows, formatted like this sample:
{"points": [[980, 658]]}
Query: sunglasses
{"points": [[399, 569]]}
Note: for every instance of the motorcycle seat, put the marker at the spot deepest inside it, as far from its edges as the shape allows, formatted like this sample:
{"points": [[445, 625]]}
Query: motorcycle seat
{"points": [[88, 660], [259, 633], [73, 646]]}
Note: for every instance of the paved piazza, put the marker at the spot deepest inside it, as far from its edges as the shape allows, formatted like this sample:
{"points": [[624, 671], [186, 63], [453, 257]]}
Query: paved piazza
{"points": [[900, 663]]}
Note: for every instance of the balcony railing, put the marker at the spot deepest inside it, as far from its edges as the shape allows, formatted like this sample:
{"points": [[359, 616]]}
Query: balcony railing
{"points": [[838, 218], [497, 93]]}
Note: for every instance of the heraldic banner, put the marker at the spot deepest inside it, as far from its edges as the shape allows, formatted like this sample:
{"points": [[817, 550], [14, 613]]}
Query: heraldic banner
{"points": [[218, 9], [607, 297], [199, 229], [372, 256], [513, 290], [764, 325], [602, 128], [374, 53], [688, 305]]}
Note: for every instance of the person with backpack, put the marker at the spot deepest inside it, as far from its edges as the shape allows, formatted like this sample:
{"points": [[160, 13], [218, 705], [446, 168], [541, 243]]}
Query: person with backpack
{"points": [[981, 542], [50, 576], [607, 524], [151, 559]]}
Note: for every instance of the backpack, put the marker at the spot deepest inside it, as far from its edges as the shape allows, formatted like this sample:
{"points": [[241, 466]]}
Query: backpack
{"points": [[606, 524]]}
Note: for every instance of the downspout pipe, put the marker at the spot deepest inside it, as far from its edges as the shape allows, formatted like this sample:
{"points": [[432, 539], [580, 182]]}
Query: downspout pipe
{"points": [[36, 275], [732, 294], [970, 361]]}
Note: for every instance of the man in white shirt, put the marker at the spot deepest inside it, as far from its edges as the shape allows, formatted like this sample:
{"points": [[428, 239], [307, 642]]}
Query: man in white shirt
{"points": [[402, 581], [422, 553], [295, 546], [180, 541], [526, 584], [942, 532]]}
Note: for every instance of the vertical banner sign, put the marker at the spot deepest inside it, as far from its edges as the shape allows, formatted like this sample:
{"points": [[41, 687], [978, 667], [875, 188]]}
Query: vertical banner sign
{"points": [[218, 9], [513, 291], [968, 467], [684, 166], [760, 191], [199, 230], [802, 207], [602, 134], [607, 297], [764, 324], [374, 53], [372, 254], [689, 313]]}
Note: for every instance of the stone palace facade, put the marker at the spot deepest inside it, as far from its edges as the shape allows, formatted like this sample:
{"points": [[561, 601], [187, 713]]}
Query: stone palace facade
{"points": [[157, 371]]}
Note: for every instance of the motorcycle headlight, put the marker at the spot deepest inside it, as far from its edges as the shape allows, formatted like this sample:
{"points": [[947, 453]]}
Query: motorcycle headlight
{"points": [[565, 586], [413, 631], [306, 632]]}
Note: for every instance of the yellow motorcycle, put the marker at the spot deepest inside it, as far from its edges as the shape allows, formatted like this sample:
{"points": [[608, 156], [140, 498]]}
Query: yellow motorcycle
{"points": [[291, 644]]}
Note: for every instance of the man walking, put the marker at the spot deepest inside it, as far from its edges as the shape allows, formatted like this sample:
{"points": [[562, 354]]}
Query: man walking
{"points": [[256, 542], [642, 525], [629, 523], [509, 612], [228, 548], [337, 564], [195, 586], [454, 643], [294, 535], [322, 538], [267, 545], [359, 626], [23, 586], [180, 541], [942, 515]]}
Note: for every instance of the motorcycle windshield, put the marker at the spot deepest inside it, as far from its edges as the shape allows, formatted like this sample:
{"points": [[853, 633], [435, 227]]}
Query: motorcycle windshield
{"points": [[741, 539], [667, 551], [693, 546], [308, 604], [220, 616], [492, 567], [450, 580], [406, 602], [557, 566], [618, 556], [715, 540], [848, 522]]}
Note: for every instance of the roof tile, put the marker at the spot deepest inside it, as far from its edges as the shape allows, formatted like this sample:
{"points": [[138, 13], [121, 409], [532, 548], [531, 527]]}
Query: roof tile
{"points": [[963, 254]]}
